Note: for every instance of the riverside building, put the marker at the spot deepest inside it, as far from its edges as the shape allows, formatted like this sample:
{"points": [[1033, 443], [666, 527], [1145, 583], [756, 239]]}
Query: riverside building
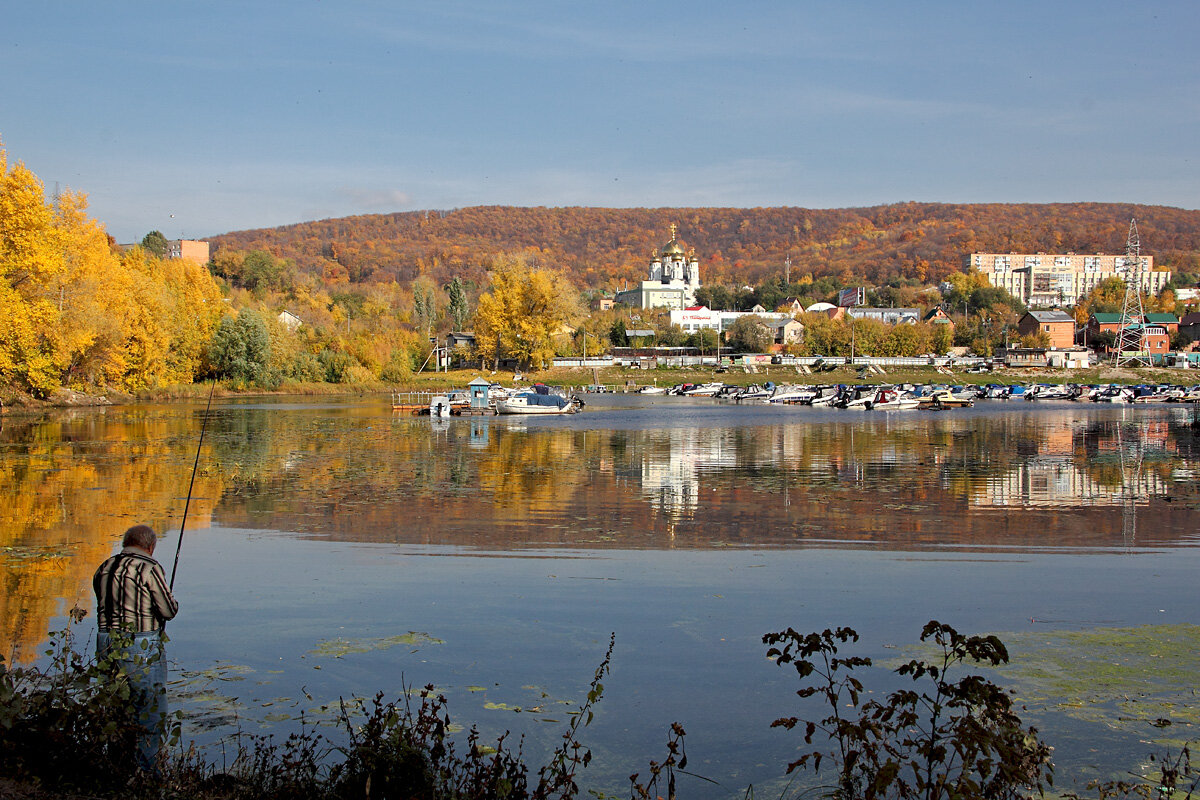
{"points": [[1042, 280]]}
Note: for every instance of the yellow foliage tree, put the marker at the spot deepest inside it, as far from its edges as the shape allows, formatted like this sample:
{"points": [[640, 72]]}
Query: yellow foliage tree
{"points": [[31, 259], [79, 314], [522, 312]]}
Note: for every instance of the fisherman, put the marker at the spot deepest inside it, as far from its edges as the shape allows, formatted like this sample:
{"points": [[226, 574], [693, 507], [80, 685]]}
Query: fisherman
{"points": [[133, 604]]}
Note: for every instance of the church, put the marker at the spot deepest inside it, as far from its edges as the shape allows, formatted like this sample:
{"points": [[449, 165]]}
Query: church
{"points": [[674, 279]]}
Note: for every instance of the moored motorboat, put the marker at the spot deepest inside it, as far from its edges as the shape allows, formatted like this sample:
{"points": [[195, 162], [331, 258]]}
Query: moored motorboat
{"points": [[944, 398], [894, 400], [704, 390], [538, 399]]}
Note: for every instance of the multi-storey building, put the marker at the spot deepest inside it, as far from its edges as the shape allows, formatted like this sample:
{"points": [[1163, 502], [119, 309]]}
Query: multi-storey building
{"points": [[1045, 279], [188, 248]]}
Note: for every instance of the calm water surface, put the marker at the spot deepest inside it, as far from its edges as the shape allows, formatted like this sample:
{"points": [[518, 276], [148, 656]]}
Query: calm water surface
{"points": [[335, 549]]}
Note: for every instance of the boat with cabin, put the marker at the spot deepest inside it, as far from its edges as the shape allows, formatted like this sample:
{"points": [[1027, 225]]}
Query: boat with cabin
{"points": [[538, 399]]}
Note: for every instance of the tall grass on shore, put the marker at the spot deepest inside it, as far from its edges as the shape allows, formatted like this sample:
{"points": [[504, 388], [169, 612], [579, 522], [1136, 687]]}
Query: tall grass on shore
{"points": [[69, 730]]}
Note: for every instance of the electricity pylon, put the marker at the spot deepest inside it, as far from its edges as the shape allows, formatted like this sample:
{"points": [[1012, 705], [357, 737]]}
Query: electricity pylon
{"points": [[1131, 338]]}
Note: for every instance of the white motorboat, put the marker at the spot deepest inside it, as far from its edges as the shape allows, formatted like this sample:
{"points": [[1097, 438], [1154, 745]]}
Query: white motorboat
{"points": [[794, 394], [1048, 391], [755, 393], [893, 400], [538, 400], [704, 390]]}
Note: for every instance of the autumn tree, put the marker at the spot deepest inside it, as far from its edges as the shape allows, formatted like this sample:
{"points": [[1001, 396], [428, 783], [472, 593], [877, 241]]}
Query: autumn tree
{"points": [[941, 339], [256, 270], [521, 312], [906, 340], [78, 313], [31, 260]]}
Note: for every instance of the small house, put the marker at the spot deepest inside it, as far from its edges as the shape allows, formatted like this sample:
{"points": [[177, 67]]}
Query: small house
{"points": [[937, 315], [1058, 325], [289, 320]]}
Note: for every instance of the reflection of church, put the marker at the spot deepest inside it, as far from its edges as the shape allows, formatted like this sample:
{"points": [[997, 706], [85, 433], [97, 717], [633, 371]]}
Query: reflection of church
{"points": [[674, 279], [671, 474]]}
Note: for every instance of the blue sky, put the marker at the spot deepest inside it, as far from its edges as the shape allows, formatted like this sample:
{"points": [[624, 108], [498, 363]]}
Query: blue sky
{"points": [[197, 118]]}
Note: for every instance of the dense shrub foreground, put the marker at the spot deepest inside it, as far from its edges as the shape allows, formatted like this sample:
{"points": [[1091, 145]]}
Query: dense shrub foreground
{"points": [[67, 731]]}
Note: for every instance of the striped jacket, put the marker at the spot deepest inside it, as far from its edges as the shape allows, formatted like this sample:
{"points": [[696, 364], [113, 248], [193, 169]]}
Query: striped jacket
{"points": [[132, 593]]}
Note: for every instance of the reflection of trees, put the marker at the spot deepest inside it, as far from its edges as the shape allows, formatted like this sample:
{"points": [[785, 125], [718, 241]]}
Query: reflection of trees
{"points": [[70, 485], [908, 480], [528, 474]]}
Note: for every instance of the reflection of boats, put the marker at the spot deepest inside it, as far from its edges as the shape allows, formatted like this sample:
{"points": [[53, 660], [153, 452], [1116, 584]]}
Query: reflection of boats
{"points": [[538, 399]]}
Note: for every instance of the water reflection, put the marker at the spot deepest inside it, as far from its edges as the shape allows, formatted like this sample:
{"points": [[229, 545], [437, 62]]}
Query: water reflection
{"points": [[646, 476]]}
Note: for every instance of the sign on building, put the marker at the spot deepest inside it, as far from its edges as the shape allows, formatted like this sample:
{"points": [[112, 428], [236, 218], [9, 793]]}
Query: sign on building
{"points": [[852, 297]]}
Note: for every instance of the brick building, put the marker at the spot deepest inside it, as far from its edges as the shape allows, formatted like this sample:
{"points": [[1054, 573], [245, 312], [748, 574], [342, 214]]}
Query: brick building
{"points": [[1058, 325]]}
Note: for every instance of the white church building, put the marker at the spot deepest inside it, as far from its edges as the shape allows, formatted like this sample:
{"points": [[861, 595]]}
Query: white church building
{"points": [[674, 279]]}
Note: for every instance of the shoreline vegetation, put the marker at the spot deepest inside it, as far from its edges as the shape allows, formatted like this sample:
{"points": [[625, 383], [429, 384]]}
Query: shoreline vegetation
{"points": [[91, 322], [66, 731], [623, 379]]}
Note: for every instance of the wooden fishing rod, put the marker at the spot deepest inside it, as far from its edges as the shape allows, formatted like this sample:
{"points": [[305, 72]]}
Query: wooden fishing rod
{"points": [[188, 502]]}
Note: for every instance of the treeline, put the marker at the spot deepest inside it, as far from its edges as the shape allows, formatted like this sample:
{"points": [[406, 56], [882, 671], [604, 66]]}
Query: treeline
{"points": [[605, 248], [80, 312]]}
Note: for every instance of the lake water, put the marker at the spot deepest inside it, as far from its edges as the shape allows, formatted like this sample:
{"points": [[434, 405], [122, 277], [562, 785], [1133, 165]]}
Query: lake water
{"points": [[336, 549]]}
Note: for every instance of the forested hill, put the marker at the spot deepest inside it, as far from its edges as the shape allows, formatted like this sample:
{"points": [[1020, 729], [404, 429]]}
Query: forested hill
{"points": [[605, 247]]}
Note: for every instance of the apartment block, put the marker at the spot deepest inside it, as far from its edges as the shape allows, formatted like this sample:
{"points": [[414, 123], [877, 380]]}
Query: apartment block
{"points": [[1042, 280], [189, 249]]}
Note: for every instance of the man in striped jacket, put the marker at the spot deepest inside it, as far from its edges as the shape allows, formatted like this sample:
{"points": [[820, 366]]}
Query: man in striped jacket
{"points": [[133, 604]]}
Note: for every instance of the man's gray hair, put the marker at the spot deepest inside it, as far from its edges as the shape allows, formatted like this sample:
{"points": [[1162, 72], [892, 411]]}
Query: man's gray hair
{"points": [[140, 536]]}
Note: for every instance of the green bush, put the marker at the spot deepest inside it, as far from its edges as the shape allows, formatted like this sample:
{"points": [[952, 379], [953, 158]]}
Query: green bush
{"points": [[949, 740], [69, 726]]}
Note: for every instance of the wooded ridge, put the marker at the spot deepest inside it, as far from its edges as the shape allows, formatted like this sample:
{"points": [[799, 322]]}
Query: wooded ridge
{"points": [[607, 247]]}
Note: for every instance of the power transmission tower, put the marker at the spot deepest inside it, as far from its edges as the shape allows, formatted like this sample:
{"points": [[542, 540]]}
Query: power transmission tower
{"points": [[1131, 336]]}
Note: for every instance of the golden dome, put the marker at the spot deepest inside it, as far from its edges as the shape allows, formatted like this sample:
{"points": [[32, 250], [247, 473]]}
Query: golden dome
{"points": [[673, 247]]}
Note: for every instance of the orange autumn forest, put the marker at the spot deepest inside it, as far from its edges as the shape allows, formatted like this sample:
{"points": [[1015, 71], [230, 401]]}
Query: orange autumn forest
{"points": [[85, 313]]}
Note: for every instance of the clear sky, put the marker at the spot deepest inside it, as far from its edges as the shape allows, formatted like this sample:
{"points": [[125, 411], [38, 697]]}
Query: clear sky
{"points": [[197, 118]]}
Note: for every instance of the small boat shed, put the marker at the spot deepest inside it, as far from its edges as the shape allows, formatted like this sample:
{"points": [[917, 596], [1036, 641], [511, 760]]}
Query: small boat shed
{"points": [[478, 389]]}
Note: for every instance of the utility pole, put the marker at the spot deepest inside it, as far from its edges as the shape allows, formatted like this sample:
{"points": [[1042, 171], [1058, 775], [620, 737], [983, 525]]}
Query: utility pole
{"points": [[1131, 336]]}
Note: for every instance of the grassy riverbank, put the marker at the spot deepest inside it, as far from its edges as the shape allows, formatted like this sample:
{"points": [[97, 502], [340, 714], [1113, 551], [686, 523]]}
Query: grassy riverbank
{"points": [[613, 378]]}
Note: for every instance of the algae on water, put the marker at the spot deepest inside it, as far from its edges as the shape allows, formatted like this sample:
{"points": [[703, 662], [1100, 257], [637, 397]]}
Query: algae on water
{"points": [[338, 648], [1140, 679]]}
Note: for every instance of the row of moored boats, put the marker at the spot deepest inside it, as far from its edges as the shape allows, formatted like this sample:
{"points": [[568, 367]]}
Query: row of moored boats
{"points": [[928, 396]]}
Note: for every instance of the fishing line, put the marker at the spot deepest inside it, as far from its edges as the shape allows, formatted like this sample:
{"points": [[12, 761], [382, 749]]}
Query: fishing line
{"points": [[188, 502]]}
